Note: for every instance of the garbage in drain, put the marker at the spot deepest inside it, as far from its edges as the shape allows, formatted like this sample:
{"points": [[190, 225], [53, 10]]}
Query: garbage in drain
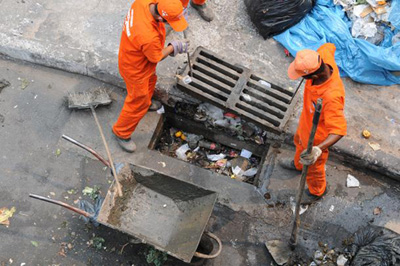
{"points": [[214, 117], [195, 149]]}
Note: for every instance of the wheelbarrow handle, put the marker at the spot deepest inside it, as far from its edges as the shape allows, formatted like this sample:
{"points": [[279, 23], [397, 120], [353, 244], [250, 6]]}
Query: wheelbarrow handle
{"points": [[62, 204], [212, 256], [87, 148]]}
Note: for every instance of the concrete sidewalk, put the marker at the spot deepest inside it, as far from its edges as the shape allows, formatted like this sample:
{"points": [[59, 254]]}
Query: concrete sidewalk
{"points": [[83, 37]]}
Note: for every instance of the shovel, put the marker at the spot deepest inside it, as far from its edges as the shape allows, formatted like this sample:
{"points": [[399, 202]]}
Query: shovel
{"points": [[281, 250]]}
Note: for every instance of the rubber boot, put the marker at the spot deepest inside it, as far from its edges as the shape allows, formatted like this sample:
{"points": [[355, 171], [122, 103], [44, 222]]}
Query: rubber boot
{"points": [[204, 11], [126, 144], [309, 198], [155, 105], [288, 163]]}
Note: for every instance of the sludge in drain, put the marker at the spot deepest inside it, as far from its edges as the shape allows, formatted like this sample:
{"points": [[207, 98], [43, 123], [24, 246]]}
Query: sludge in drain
{"points": [[206, 136]]}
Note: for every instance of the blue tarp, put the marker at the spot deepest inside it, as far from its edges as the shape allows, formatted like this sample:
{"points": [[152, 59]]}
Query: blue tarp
{"points": [[358, 59]]}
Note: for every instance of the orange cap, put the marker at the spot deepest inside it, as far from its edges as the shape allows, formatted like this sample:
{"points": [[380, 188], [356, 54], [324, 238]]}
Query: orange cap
{"points": [[306, 62], [172, 11]]}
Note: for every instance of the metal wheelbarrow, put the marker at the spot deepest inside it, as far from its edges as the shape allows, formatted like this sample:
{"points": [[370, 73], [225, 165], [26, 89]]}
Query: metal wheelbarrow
{"points": [[159, 210]]}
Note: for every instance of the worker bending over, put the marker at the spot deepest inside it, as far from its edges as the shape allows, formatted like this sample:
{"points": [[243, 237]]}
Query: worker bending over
{"points": [[322, 81], [141, 48]]}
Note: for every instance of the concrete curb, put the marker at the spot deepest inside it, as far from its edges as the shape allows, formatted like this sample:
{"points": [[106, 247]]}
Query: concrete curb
{"points": [[67, 59], [360, 156]]}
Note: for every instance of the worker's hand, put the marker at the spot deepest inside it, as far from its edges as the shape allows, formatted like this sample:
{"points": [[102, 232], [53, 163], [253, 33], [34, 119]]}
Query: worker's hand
{"points": [[310, 159], [180, 47]]}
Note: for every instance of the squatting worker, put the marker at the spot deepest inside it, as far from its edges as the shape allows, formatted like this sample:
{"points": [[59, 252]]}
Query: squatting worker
{"points": [[322, 81], [141, 48]]}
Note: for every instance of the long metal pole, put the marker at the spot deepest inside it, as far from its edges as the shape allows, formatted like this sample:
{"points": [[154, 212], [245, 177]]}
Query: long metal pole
{"points": [[296, 224]]}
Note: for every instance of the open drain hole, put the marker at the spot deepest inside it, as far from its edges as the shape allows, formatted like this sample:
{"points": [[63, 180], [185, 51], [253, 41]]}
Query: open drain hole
{"points": [[210, 147]]}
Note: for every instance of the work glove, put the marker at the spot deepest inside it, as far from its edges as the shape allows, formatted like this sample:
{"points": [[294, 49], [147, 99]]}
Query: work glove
{"points": [[180, 47], [310, 159]]}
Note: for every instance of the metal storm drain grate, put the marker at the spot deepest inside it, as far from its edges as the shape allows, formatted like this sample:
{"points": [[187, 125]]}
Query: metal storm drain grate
{"points": [[236, 89]]}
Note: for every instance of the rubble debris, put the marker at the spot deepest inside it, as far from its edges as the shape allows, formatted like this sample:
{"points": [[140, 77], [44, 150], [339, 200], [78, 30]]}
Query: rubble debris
{"points": [[181, 152], [352, 181], [374, 146], [303, 208], [6, 214], [24, 84], [91, 192], [366, 134], [250, 172], [209, 145], [245, 154], [97, 242], [214, 117], [155, 256], [370, 19], [215, 157], [161, 110], [197, 150], [341, 260], [377, 211], [4, 84]]}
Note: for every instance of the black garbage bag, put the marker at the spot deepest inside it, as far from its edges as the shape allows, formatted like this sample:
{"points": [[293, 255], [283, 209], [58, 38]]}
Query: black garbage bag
{"points": [[273, 17], [374, 245]]}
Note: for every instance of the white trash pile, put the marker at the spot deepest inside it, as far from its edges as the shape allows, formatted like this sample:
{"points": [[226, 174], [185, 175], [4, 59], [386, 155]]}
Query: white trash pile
{"points": [[369, 19]]}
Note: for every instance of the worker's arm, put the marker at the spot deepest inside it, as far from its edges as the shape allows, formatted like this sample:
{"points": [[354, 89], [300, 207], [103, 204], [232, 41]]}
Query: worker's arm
{"points": [[167, 51], [329, 141]]}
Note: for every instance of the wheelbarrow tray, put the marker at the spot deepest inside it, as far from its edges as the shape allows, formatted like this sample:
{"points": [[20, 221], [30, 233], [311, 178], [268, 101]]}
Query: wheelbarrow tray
{"points": [[160, 210]]}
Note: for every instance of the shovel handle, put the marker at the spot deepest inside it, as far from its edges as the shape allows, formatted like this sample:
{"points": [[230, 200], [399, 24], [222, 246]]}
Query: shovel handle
{"points": [[119, 189], [62, 204], [296, 224]]}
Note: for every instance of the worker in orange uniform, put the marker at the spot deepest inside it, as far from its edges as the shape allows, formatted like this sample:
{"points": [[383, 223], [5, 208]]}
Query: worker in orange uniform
{"points": [[322, 81], [205, 12], [141, 48]]}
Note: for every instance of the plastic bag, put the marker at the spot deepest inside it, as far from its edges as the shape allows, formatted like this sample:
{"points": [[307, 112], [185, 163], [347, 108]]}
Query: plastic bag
{"points": [[374, 245], [92, 209], [357, 58], [274, 17]]}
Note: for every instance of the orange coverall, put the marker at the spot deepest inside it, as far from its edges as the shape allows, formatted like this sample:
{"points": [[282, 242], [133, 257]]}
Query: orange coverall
{"points": [[141, 46], [332, 120]]}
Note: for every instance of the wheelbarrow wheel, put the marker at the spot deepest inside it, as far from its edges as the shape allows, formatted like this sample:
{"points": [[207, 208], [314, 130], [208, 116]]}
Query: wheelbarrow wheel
{"points": [[207, 247]]}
